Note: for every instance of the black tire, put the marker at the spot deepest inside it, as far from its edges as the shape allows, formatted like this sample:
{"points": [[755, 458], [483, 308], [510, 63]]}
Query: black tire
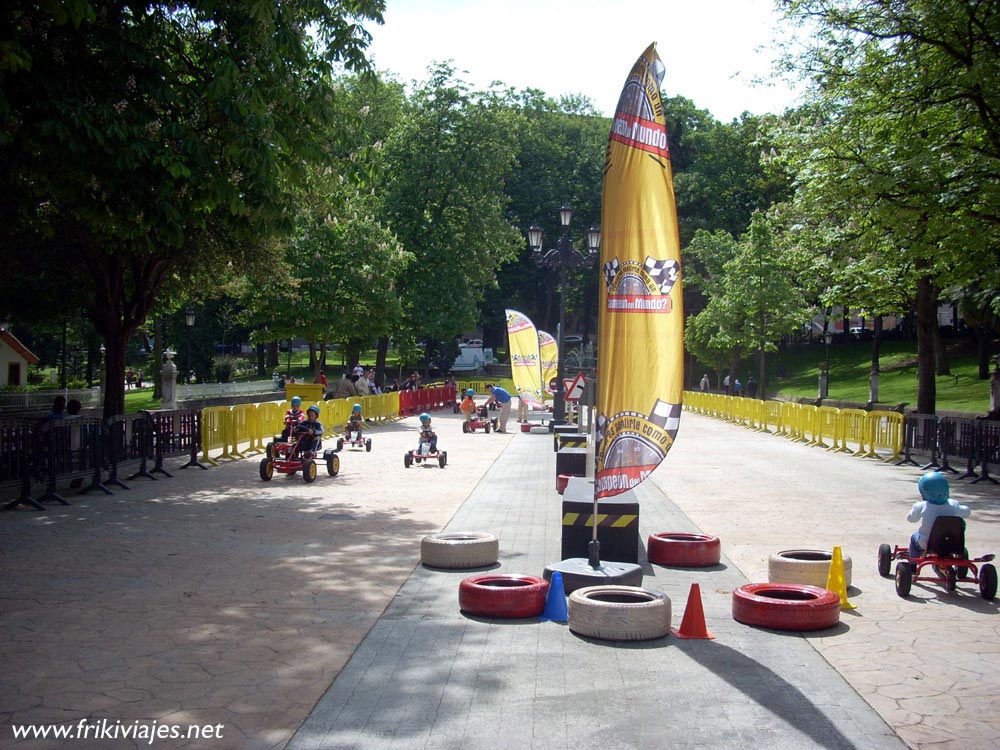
{"points": [[407, 459], [266, 469], [340, 444], [963, 571], [465, 427], [486, 429], [988, 582], [333, 464], [884, 560], [950, 578], [904, 578], [443, 459], [269, 450], [308, 471], [368, 445]]}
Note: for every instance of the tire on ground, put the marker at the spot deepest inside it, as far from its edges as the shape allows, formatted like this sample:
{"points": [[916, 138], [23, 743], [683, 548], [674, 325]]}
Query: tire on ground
{"points": [[503, 595], [785, 606], [683, 550], [619, 613], [810, 567], [459, 550]]}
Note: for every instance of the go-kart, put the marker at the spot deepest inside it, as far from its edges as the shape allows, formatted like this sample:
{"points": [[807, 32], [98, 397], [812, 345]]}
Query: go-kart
{"points": [[480, 421], [294, 455], [282, 443], [424, 453], [355, 440], [946, 556]]}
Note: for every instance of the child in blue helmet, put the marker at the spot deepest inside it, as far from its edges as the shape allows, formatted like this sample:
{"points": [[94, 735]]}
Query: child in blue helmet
{"points": [[292, 417], [427, 434], [936, 502], [354, 422], [312, 426]]}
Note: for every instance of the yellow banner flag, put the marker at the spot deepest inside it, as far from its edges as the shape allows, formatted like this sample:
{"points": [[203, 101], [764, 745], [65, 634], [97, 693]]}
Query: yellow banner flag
{"points": [[641, 365], [548, 350], [525, 362]]}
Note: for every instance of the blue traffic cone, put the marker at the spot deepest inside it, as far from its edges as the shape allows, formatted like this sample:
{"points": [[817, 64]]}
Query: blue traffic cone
{"points": [[555, 601]]}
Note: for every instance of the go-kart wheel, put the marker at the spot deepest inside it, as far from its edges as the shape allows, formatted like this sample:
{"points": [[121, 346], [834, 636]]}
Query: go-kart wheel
{"points": [[495, 423], [988, 582], [486, 429], [407, 459], [269, 450], [963, 571], [266, 469], [340, 444], [884, 560], [332, 464], [465, 427], [308, 471], [368, 445], [904, 578], [443, 459], [950, 578]]}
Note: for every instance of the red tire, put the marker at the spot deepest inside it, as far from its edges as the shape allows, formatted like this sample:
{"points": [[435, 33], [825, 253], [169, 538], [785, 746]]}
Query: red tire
{"points": [[683, 550], [499, 595], [785, 606]]}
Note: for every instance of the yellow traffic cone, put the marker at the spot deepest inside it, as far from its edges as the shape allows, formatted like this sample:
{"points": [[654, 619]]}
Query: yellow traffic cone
{"points": [[835, 581]]}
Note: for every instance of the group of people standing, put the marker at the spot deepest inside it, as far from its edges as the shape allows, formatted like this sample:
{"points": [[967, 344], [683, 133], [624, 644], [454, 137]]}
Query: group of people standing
{"points": [[738, 389]]}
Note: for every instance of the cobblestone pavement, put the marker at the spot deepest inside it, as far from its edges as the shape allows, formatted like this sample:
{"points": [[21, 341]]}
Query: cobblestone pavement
{"points": [[928, 664], [214, 598]]}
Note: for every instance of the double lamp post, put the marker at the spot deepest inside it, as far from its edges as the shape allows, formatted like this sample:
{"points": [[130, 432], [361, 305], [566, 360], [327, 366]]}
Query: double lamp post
{"points": [[562, 257]]}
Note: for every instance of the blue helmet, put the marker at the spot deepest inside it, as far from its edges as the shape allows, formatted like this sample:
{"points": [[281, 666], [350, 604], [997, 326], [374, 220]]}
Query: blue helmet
{"points": [[314, 408], [933, 488], [296, 401], [425, 418], [470, 392], [356, 407]]}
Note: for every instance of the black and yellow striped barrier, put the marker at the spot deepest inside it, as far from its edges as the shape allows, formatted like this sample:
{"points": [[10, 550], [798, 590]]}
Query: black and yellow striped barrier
{"points": [[609, 520]]}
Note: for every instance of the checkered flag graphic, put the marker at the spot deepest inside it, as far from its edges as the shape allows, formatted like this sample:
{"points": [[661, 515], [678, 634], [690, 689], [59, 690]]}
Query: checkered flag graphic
{"points": [[600, 427], [610, 271], [665, 272], [667, 416]]}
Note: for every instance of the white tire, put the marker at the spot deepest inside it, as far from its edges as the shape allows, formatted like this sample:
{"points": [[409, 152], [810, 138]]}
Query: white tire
{"points": [[810, 567], [619, 613], [468, 549]]}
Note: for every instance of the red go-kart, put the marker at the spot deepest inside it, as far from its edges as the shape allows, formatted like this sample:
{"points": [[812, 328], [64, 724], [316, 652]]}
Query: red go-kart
{"points": [[296, 454], [424, 453], [355, 440], [946, 561], [480, 421]]}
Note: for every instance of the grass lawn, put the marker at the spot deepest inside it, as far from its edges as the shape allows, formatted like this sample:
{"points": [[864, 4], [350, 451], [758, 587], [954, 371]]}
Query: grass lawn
{"points": [[849, 365]]}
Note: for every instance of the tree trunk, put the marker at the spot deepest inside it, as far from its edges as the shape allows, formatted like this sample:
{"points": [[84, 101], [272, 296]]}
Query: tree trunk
{"points": [[762, 375], [272, 355], [926, 322], [381, 351], [876, 342], [158, 333], [983, 334]]}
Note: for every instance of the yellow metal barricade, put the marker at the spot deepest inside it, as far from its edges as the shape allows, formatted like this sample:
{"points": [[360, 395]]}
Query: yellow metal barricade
{"points": [[214, 430], [242, 430], [885, 431], [852, 427], [270, 420], [806, 428], [772, 416], [826, 426]]}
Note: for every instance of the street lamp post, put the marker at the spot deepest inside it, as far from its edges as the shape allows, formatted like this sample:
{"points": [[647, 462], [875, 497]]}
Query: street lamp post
{"points": [[189, 321], [563, 256]]}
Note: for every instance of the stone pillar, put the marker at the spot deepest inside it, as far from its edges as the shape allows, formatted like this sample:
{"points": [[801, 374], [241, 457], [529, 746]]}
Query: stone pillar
{"points": [[823, 382], [168, 382]]}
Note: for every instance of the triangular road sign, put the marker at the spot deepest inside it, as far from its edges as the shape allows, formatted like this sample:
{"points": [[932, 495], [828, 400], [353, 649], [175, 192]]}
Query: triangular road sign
{"points": [[574, 391]]}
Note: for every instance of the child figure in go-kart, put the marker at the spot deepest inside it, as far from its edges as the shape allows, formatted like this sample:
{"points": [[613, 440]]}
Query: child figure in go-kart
{"points": [[427, 434], [936, 502], [354, 422], [468, 405], [293, 416], [311, 426]]}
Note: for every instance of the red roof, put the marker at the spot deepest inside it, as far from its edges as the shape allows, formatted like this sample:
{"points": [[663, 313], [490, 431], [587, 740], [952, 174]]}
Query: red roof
{"points": [[11, 340]]}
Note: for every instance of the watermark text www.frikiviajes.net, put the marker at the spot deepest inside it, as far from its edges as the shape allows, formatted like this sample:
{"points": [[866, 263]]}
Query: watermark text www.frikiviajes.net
{"points": [[105, 729]]}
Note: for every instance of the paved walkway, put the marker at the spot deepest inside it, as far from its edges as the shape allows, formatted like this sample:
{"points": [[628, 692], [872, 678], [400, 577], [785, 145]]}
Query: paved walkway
{"points": [[213, 598]]}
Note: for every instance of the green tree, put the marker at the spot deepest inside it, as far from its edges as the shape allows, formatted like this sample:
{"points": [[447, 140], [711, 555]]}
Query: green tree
{"points": [[151, 146]]}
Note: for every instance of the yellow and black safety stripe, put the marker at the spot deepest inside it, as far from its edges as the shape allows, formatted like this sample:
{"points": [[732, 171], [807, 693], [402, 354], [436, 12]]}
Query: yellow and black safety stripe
{"points": [[571, 441], [619, 521]]}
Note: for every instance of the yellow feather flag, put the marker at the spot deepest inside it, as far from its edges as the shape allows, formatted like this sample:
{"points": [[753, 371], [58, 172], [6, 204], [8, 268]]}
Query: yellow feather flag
{"points": [[525, 362], [548, 350], [640, 378]]}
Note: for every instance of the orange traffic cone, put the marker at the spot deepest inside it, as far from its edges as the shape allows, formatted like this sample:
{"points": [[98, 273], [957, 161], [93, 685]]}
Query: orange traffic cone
{"points": [[693, 624]]}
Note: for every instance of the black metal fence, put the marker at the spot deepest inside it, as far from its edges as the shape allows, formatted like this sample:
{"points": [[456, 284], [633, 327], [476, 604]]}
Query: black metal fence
{"points": [[88, 454], [964, 447]]}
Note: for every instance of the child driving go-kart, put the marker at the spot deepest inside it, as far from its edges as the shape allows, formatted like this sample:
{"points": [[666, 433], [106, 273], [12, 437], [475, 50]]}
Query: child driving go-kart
{"points": [[353, 431], [313, 428], [427, 447], [293, 416], [935, 502]]}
